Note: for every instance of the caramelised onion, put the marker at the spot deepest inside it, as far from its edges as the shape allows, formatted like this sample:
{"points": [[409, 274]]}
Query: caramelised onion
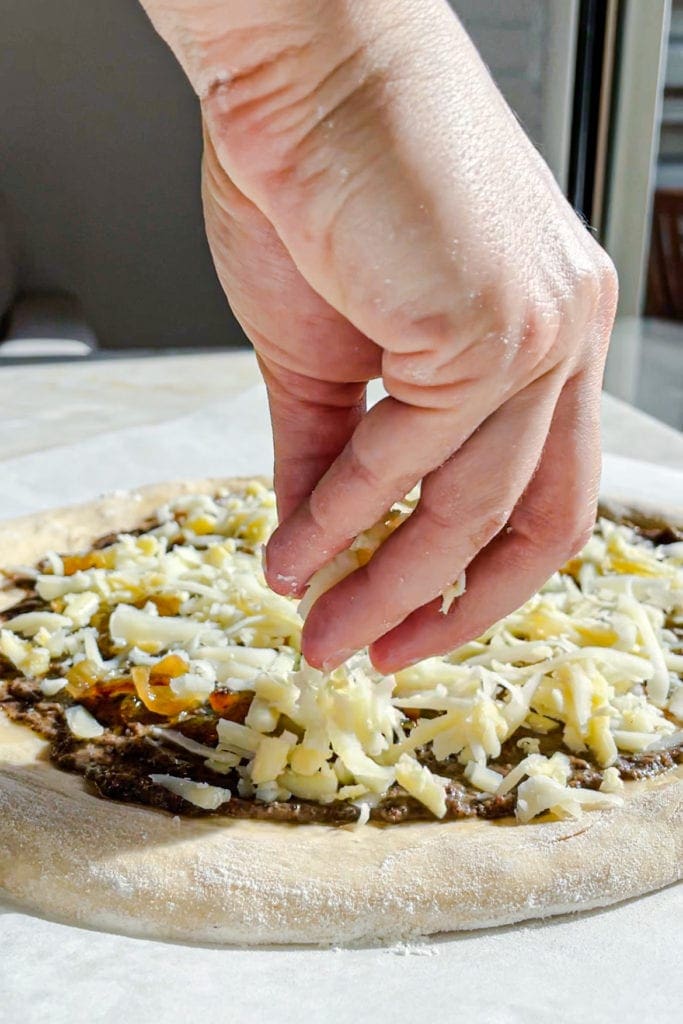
{"points": [[152, 686]]}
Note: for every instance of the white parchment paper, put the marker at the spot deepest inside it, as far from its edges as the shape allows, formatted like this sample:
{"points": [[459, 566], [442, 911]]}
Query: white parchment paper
{"points": [[621, 964], [223, 438]]}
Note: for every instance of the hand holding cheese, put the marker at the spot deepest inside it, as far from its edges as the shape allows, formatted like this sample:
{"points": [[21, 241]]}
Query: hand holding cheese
{"points": [[374, 209]]}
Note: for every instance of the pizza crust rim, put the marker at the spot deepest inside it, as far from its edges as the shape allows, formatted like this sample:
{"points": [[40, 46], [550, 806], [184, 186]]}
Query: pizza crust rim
{"points": [[70, 855]]}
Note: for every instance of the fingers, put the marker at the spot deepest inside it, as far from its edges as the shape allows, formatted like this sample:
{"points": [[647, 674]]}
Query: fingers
{"points": [[394, 446], [551, 522], [464, 504], [312, 421]]}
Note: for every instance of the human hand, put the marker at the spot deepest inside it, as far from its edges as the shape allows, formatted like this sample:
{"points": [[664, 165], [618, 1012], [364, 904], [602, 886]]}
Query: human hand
{"points": [[373, 208]]}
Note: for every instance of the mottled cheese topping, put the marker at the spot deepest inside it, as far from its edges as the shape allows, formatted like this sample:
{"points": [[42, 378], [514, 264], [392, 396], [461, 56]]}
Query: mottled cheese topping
{"points": [[183, 609]]}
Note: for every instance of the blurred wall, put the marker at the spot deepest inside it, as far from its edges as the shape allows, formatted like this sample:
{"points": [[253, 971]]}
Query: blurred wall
{"points": [[100, 149], [99, 169], [510, 35]]}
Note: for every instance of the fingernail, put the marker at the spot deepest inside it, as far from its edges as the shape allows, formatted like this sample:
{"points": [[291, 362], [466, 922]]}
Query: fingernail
{"points": [[283, 583], [396, 662], [335, 660], [290, 584], [330, 660]]}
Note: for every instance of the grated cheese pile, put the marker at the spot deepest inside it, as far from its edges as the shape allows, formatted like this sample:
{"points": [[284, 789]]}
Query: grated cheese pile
{"points": [[590, 657]]}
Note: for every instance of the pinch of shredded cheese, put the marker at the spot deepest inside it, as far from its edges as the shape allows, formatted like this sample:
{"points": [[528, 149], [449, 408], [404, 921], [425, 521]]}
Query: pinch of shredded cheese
{"points": [[455, 590], [361, 551], [592, 659]]}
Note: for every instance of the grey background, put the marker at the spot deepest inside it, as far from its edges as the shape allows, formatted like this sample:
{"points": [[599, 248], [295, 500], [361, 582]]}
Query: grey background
{"points": [[99, 162]]}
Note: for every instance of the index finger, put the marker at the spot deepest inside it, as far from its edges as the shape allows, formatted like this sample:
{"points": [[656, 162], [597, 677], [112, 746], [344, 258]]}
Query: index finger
{"points": [[393, 447]]}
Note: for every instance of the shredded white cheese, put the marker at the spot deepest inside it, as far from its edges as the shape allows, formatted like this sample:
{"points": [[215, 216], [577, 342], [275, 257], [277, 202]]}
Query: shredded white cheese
{"points": [[591, 661], [52, 686], [543, 793], [201, 794], [452, 592], [361, 551], [81, 723]]}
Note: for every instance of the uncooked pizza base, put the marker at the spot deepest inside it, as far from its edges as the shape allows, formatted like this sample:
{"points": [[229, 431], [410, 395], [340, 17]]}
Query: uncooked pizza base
{"points": [[125, 868]]}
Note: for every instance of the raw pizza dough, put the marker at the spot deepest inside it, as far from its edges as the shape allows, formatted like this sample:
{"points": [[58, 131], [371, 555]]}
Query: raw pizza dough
{"points": [[126, 868]]}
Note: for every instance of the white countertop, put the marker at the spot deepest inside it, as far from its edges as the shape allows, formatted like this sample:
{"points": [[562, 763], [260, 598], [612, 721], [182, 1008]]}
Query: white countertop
{"points": [[69, 430], [59, 403]]}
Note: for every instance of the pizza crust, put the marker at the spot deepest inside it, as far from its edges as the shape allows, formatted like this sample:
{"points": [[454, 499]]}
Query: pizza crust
{"points": [[124, 868]]}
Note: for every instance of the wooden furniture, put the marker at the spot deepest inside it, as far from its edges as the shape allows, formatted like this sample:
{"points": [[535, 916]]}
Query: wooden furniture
{"points": [[665, 271]]}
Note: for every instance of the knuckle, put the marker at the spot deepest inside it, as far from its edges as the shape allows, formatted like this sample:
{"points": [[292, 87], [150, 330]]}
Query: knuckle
{"points": [[548, 324], [609, 289], [609, 279], [596, 287], [416, 333], [559, 533], [406, 377], [431, 515], [587, 290], [488, 527], [362, 470], [482, 514], [539, 336], [414, 379]]}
